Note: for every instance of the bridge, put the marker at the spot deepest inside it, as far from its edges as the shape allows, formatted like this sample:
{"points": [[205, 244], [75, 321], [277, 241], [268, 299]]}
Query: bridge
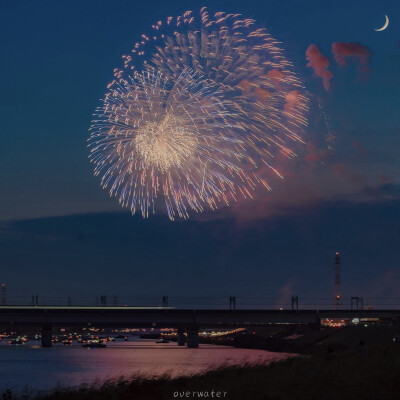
{"points": [[184, 320]]}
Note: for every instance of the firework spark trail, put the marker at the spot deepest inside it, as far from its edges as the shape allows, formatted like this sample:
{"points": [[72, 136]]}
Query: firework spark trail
{"points": [[196, 93]]}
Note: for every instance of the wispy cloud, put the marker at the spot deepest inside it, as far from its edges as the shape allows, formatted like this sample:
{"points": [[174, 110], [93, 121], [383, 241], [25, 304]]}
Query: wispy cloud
{"points": [[319, 63], [343, 50]]}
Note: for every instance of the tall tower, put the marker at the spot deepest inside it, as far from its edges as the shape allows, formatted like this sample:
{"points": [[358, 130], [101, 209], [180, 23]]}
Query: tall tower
{"points": [[337, 301]]}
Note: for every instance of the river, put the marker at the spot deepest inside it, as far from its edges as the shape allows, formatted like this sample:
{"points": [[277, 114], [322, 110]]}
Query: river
{"points": [[38, 368]]}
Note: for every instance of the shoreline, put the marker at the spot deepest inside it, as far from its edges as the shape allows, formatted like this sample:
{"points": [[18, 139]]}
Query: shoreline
{"points": [[309, 340], [129, 359], [330, 366], [345, 375]]}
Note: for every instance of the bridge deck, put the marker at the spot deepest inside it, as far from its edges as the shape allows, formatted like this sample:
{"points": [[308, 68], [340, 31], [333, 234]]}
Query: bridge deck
{"points": [[171, 317]]}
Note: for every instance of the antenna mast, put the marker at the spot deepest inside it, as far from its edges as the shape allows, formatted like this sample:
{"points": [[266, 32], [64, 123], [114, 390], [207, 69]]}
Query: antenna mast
{"points": [[338, 291]]}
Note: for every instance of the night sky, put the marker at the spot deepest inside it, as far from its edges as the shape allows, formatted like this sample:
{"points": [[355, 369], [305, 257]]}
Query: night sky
{"points": [[62, 235]]}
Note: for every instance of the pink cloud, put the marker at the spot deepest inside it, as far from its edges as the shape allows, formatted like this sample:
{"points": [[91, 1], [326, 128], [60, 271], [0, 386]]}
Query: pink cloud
{"points": [[275, 74], [261, 94], [343, 50], [342, 171], [286, 293], [292, 99], [316, 156], [276, 77], [319, 63]]}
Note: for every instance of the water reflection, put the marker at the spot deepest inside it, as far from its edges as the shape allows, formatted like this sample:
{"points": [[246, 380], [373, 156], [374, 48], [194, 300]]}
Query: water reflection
{"points": [[44, 368]]}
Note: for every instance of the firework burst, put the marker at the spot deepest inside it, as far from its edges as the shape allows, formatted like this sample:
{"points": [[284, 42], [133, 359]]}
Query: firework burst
{"points": [[198, 114]]}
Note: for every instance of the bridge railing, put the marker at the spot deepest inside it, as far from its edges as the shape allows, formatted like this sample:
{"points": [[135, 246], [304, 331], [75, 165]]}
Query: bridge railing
{"points": [[221, 302]]}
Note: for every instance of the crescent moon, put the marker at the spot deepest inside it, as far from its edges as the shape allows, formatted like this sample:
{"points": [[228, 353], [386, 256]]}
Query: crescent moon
{"points": [[384, 26]]}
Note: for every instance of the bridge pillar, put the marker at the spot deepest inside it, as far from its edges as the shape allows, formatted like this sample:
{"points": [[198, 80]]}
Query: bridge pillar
{"points": [[193, 337], [181, 337], [47, 332]]}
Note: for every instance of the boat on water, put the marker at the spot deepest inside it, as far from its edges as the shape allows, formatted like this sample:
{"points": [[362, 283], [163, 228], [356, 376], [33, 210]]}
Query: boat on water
{"points": [[18, 340], [94, 345], [162, 340], [122, 337]]}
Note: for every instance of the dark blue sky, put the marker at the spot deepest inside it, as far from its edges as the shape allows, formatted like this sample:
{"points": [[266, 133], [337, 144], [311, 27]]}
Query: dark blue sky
{"points": [[60, 233]]}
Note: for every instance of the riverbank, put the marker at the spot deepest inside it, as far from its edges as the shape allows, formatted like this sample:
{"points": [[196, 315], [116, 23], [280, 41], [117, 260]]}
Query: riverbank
{"points": [[355, 363], [344, 375], [309, 340]]}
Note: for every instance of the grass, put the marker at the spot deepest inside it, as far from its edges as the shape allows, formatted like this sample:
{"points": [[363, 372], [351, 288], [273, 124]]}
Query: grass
{"points": [[334, 368], [315, 341], [332, 376]]}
